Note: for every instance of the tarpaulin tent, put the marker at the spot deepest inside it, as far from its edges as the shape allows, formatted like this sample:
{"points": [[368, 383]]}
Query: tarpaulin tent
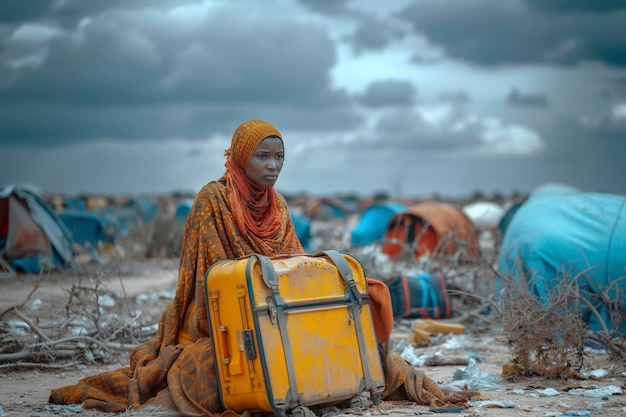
{"points": [[182, 211], [484, 215], [574, 235], [432, 227], [373, 222], [325, 209], [74, 204], [90, 230], [504, 222], [302, 224], [31, 234], [131, 212]]}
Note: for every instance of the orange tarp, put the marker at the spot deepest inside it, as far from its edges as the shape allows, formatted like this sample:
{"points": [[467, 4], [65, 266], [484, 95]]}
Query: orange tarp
{"points": [[431, 227]]}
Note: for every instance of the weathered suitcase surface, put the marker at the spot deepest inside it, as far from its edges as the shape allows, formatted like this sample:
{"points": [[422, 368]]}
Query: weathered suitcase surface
{"points": [[293, 332]]}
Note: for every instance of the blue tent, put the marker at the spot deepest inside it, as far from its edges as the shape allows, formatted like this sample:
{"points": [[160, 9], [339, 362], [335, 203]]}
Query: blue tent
{"points": [[325, 209], [131, 212], [570, 234], [75, 204], [182, 211], [90, 230], [31, 234], [302, 224], [149, 210], [373, 222], [504, 222]]}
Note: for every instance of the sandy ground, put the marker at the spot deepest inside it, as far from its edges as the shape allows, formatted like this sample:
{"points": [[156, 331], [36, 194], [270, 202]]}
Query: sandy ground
{"points": [[24, 390]]}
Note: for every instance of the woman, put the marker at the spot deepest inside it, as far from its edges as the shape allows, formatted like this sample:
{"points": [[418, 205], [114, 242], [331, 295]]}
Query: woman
{"points": [[237, 215]]}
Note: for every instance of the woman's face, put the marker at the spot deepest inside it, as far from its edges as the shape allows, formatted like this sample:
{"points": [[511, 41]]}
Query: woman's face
{"points": [[266, 162]]}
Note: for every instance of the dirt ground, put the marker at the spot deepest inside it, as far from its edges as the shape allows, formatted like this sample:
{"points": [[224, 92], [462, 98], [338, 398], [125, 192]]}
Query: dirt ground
{"points": [[24, 390]]}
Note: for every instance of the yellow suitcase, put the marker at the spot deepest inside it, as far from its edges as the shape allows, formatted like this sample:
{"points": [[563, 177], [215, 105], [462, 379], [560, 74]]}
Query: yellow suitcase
{"points": [[293, 332]]}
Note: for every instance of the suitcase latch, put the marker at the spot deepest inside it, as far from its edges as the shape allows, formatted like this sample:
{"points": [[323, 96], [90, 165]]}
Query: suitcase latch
{"points": [[246, 343], [272, 311]]}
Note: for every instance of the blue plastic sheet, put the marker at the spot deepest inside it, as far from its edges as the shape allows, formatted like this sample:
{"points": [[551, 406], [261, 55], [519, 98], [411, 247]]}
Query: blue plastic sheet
{"points": [[572, 235]]}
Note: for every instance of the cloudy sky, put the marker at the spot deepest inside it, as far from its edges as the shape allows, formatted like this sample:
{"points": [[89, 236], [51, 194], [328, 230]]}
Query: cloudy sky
{"points": [[411, 97]]}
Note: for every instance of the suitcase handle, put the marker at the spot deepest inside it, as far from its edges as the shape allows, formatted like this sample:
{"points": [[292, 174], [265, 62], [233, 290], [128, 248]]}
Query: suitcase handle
{"points": [[225, 351], [269, 275], [345, 271]]}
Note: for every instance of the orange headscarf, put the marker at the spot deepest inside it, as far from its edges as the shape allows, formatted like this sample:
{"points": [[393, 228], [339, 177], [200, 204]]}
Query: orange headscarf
{"points": [[255, 208]]}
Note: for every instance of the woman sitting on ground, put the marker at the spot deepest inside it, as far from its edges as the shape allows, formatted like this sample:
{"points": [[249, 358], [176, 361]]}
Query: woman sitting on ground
{"points": [[237, 215]]}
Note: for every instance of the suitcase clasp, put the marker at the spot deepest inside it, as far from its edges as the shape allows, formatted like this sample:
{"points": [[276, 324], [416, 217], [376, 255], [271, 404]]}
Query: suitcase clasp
{"points": [[272, 311]]}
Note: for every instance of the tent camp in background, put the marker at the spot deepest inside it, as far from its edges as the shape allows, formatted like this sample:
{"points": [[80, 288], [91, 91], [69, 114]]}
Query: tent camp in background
{"points": [[373, 222], [302, 224], [431, 227], [508, 215], [31, 234], [182, 211], [544, 189], [571, 235], [485, 215], [325, 209], [75, 204], [93, 232], [130, 212]]}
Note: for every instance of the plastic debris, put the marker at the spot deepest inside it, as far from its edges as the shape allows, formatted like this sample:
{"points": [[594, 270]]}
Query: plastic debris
{"points": [[105, 300], [18, 327], [477, 357], [448, 409], [35, 304], [494, 404], [474, 378], [432, 359], [598, 373], [548, 392], [597, 392], [457, 342]]}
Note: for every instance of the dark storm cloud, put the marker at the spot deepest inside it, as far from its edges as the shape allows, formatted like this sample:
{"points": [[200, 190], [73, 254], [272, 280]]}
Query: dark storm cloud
{"points": [[373, 34], [488, 33], [12, 11], [326, 7], [146, 73], [389, 93], [68, 11], [560, 6], [409, 134], [517, 98]]}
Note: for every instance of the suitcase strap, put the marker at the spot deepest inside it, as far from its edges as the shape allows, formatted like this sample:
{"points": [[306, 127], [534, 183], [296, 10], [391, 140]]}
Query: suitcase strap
{"points": [[356, 301], [346, 273], [269, 277]]}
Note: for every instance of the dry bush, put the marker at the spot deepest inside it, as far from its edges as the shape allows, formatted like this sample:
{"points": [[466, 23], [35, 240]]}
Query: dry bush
{"points": [[92, 325], [547, 337]]}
